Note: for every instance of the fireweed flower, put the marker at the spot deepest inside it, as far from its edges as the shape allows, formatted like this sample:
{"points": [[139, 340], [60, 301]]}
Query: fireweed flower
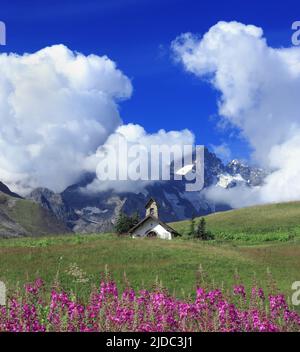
{"points": [[239, 290], [214, 296], [277, 305], [129, 295], [261, 294], [152, 311]]}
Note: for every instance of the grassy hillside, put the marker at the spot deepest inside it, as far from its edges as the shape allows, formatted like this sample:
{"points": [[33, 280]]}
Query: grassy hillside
{"points": [[271, 222], [21, 217], [175, 262]]}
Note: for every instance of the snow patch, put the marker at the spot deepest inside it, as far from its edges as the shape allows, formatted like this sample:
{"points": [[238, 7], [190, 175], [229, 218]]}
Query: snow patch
{"points": [[225, 180]]}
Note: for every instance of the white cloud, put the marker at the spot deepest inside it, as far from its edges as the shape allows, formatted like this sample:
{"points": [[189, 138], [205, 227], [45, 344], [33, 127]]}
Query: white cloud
{"points": [[237, 197], [127, 136], [222, 151], [56, 108], [260, 94]]}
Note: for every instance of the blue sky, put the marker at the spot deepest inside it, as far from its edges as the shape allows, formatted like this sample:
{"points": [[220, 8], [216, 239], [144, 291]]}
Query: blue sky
{"points": [[137, 35]]}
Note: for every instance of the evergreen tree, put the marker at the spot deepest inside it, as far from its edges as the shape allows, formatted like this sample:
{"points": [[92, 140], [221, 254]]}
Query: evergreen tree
{"points": [[191, 231], [135, 219], [124, 222], [120, 225], [201, 232]]}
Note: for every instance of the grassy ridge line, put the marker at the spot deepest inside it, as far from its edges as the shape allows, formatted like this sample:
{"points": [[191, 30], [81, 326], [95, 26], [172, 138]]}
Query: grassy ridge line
{"points": [[272, 222]]}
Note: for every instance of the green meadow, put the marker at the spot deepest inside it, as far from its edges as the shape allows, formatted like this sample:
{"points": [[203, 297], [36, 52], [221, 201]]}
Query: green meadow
{"points": [[256, 244], [267, 223]]}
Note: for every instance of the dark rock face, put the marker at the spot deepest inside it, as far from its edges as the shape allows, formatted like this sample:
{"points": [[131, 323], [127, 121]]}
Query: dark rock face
{"points": [[54, 203], [86, 212], [6, 190], [213, 167], [252, 175]]}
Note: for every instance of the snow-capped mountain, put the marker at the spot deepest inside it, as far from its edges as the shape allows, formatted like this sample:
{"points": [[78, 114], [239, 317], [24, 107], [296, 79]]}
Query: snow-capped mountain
{"points": [[89, 212], [252, 175], [228, 181]]}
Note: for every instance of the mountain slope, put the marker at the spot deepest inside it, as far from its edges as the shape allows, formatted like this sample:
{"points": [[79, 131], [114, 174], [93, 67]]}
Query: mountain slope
{"points": [[4, 189], [263, 219], [98, 211], [54, 203], [87, 212], [22, 217]]}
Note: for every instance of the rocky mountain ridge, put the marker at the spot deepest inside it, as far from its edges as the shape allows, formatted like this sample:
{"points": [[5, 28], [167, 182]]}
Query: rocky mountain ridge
{"points": [[86, 212]]}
